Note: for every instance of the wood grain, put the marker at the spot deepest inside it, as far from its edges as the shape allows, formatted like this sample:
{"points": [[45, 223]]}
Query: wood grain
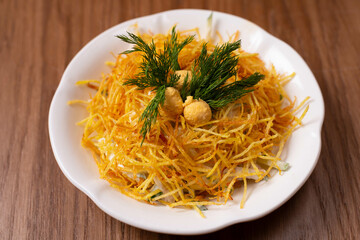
{"points": [[38, 40]]}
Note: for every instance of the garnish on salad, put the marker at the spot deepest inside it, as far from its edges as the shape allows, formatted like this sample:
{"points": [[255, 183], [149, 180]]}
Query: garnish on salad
{"points": [[182, 122], [203, 87]]}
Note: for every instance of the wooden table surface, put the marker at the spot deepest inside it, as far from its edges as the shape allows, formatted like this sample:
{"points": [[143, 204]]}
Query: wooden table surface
{"points": [[38, 40]]}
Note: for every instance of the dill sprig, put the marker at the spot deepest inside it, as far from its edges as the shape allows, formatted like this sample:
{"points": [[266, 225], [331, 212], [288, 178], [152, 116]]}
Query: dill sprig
{"points": [[156, 71], [210, 73], [232, 92], [151, 112]]}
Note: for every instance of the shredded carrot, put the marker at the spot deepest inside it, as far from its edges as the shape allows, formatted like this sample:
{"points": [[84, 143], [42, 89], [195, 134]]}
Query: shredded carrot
{"points": [[182, 165]]}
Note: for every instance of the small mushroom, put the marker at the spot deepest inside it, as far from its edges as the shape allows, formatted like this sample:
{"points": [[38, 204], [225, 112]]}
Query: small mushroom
{"points": [[196, 111], [182, 74], [173, 103]]}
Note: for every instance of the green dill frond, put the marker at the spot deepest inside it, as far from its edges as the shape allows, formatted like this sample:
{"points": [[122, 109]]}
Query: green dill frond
{"points": [[212, 71], [175, 47], [209, 74], [185, 88], [173, 79], [156, 65], [151, 112], [156, 71], [139, 44], [232, 92]]}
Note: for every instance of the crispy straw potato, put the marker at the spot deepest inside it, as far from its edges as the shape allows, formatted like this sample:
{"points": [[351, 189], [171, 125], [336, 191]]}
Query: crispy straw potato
{"points": [[179, 164]]}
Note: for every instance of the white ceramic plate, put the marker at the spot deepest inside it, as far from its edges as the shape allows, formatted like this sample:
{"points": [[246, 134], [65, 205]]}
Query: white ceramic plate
{"points": [[302, 151]]}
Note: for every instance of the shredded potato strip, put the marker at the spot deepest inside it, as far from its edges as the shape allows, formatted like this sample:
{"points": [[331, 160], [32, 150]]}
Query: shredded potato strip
{"points": [[181, 165]]}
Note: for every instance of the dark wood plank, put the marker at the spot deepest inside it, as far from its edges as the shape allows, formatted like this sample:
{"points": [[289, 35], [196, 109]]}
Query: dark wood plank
{"points": [[38, 40]]}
